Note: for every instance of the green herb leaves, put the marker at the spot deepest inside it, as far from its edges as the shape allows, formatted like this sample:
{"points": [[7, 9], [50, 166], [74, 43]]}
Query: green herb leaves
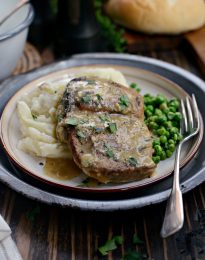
{"points": [[115, 241], [80, 135], [72, 121], [109, 153], [86, 99], [110, 245], [99, 97], [112, 127], [124, 101], [132, 161], [135, 87], [104, 118]]}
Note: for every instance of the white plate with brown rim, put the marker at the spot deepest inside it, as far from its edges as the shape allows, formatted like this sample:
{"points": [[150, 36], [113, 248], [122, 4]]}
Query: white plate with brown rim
{"points": [[72, 178]]}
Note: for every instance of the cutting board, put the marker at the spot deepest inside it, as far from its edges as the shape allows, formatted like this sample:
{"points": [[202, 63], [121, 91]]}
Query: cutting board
{"points": [[195, 40]]}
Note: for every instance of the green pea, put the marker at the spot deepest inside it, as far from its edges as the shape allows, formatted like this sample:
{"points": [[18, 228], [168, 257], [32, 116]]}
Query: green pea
{"points": [[167, 134], [161, 119], [169, 153], [163, 155], [154, 131], [167, 124], [171, 147], [158, 112], [160, 99], [148, 113], [163, 106], [163, 139], [174, 130], [153, 125], [174, 102], [155, 142], [161, 131], [178, 116], [175, 123], [172, 109], [150, 108], [153, 118], [170, 141], [180, 137], [158, 149], [175, 137], [156, 159], [170, 115]]}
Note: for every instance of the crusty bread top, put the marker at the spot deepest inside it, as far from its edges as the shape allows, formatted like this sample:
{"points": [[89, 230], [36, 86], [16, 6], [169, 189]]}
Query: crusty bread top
{"points": [[158, 16]]}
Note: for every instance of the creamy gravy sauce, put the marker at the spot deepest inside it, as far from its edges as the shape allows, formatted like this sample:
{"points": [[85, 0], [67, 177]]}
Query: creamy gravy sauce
{"points": [[61, 169]]}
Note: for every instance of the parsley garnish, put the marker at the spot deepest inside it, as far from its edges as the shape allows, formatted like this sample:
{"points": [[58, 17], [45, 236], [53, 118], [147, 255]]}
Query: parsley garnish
{"points": [[124, 101], [109, 152], [112, 128], [133, 161], [80, 135], [86, 99], [90, 81], [137, 240], [98, 130], [71, 121], [34, 116], [110, 245], [114, 37], [99, 97], [104, 118], [135, 87]]}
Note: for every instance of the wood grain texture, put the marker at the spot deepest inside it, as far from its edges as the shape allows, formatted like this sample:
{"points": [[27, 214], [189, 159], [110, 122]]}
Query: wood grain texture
{"points": [[49, 232]]}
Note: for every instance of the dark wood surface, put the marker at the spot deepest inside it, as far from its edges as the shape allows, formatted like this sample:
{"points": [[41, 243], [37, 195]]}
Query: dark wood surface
{"points": [[49, 232]]}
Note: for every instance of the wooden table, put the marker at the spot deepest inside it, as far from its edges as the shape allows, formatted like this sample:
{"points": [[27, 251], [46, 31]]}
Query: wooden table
{"points": [[49, 232]]}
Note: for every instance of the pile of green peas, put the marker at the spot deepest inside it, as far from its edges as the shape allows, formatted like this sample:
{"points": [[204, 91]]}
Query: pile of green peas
{"points": [[163, 118]]}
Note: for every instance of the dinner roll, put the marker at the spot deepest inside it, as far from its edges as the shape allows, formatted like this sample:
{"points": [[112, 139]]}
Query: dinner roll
{"points": [[158, 16]]}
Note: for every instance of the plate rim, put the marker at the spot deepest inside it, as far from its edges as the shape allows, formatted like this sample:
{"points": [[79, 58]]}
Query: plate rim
{"points": [[31, 85]]}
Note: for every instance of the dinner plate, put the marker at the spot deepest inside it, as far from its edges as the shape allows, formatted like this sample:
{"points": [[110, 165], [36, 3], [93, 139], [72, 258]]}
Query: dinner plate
{"points": [[191, 175], [35, 166]]}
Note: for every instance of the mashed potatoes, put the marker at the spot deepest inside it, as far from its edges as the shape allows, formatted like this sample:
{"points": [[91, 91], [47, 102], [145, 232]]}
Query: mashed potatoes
{"points": [[37, 115]]}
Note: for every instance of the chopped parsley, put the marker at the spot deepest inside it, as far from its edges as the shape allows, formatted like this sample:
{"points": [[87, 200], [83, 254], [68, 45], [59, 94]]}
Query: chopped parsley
{"points": [[83, 121], [109, 153], [80, 135], [124, 101], [104, 118], [86, 99], [34, 116], [90, 81], [110, 245], [99, 97], [135, 87], [98, 130], [132, 161], [72, 121], [112, 128]]}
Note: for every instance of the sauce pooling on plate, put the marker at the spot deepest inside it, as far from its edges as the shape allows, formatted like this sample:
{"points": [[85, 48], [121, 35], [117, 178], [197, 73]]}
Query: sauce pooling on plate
{"points": [[61, 169]]}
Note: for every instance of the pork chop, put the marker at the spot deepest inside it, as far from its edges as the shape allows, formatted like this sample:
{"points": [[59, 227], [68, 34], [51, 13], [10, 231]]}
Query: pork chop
{"points": [[102, 121]]}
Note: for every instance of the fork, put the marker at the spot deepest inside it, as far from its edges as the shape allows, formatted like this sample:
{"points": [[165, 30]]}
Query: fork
{"points": [[174, 214]]}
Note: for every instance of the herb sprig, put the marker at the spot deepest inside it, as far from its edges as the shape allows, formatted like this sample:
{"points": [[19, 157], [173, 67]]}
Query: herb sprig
{"points": [[109, 29]]}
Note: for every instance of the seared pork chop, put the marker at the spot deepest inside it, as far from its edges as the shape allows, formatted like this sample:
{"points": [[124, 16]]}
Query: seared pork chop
{"points": [[103, 123]]}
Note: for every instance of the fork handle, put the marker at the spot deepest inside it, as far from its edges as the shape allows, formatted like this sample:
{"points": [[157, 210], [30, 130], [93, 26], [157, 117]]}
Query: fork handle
{"points": [[174, 214]]}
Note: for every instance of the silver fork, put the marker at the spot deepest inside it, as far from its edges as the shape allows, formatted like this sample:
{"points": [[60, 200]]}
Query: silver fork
{"points": [[174, 214]]}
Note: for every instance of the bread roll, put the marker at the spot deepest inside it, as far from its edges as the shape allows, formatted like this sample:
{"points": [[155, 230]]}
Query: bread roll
{"points": [[158, 16]]}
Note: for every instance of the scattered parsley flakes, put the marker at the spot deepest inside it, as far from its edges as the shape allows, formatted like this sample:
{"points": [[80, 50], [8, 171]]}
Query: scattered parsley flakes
{"points": [[90, 81], [104, 118], [112, 128], [109, 153], [135, 87], [137, 240], [83, 121], [132, 161], [71, 121], [98, 130], [124, 101], [80, 134], [99, 97], [34, 116], [86, 99], [110, 245]]}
